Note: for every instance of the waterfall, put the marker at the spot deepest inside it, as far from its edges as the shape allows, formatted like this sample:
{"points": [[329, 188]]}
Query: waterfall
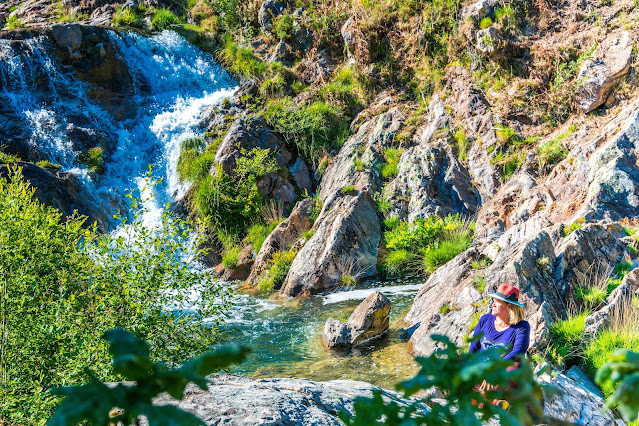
{"points": [[173, 82]]}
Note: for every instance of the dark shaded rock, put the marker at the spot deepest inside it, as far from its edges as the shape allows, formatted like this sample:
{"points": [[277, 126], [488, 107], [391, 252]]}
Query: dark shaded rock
{"points": [[242, 269], [67, 36], [319, 69], [249, 87], [63, 191], [301, 175], [283, 53]]}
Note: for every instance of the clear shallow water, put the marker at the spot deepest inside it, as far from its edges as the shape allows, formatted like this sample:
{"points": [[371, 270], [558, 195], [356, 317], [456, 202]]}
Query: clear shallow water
{"points": [[285, 336]]}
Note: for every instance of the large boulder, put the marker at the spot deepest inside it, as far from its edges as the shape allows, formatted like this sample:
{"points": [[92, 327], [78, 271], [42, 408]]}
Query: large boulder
{"points": [[368, 321], [598, 75], [239, 400], [347, 234], [248, 134], [282, 237], [270, 10], [577, 400]]}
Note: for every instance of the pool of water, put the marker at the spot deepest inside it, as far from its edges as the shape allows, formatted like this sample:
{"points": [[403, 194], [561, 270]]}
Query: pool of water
{"points": [[285, 336]]}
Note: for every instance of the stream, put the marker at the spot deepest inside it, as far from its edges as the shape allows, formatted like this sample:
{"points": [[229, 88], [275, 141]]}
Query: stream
{"points": [[284, 335]]}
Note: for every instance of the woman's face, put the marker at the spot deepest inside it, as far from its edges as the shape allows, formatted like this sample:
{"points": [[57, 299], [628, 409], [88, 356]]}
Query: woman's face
{"points": [[500, 309]]}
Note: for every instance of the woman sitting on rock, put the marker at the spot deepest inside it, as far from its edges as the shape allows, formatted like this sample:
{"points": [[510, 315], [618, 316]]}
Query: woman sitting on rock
{"points": [[505, 325]]}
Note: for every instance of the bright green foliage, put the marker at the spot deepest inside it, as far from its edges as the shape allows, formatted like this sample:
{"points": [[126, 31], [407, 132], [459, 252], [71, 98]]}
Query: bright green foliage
{"points": [[231, 256], [598, 351], [485, 23], [483, 263], [399, 261], [392, 155], [504, 12], [313, 128], [433, 240], [13, 22], [62, 286], [307, 235], [344, 88], [622, 370], [577, 224], [444, 309], [240, 59], [257, 233], [280, 264], [231, 11], [283, 26], [551, 152], [92, 159], [566, 340], [128, 17], [48, 165], [8, 158], [274, 86], [95, 402], [479, 283], [462, 145], [455, 372], [348, 190], [392, 222], [592, 297], [164, 19], [347, 280], [232, 202]]}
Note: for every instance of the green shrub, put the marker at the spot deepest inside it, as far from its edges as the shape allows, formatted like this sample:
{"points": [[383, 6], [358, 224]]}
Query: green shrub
{"points": [[359, 164], [398, 261], [283, 26], [46, 164], [231, 256], [392, 155], [598, 351], [83, 284], [483, 263], [307, 235], [92, 159], [462, 145], [622, 369], [446, 249], [479, 284], [566, 337], [128, 17], [384, 204], [314, 128], [274, 86], [240, 59], [8, 158], [13, 23], [277, 272], [344, 88], [551, 152], [592, 297], [485, 23], [392, 222], [577, 224], [348, 190], [165, 19], [504, 12], [444, 309], [347, 280], [257, 233]]}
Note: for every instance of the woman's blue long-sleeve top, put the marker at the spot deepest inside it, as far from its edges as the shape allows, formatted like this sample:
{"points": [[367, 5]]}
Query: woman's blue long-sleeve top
{"points": [[516, 337]]}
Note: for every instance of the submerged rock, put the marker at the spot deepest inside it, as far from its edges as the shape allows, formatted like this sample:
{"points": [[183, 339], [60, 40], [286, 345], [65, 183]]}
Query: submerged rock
{"points": [[368, 321], [239, 400]]}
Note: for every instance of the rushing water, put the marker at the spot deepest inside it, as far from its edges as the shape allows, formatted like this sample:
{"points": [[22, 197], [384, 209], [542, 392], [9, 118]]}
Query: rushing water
{"points": [[181, 82]]}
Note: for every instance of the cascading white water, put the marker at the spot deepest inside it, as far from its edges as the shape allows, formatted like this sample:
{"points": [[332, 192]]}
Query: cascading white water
{"points": [[182, 81]]}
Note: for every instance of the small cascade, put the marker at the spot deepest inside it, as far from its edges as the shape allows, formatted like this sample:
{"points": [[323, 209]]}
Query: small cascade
{"points": [[172, 82]]}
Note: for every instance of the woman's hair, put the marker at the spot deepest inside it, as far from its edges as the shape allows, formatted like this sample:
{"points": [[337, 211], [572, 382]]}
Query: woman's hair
{"points": [[516, 314]]}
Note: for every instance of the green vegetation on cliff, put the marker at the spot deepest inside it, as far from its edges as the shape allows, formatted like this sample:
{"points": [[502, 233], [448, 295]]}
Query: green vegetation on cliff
{"points": [[63, 286]]}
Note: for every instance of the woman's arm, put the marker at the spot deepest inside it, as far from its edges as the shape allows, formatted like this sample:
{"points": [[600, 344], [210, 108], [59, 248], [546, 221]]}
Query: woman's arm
{"points": [[522, 341], [476, 345]]}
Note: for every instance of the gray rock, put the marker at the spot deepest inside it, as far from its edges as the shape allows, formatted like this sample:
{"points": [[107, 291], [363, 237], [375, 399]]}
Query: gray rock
{"points": [[599, 75], [283, 236], [238, 400], [319, 69], [487, 41], [583, 381], [248, 134], [302, 176], [269, 10], [302, 39], [347, 234], [368, 321], [479, 9], [249, 87], [283, 53], [350, 33], [575, 402]]}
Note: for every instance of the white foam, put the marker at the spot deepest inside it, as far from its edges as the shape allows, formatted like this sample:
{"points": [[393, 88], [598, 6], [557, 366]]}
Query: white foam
{"points": [[362, 294]]}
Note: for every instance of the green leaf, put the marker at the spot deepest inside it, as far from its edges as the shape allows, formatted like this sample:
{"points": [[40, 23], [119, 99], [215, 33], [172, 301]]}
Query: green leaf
{"points": [[169, 415]]}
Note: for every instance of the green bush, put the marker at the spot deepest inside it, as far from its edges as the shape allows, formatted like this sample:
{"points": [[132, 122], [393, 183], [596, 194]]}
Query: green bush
{"points": [[280, 264], [348, 190], [427, 243], [13, 23], [129, 17], [257, 233], [8, 158], [444, 309], [46, 164], [592, 297], [622, 369], [92, 159], [485, 23], [392, 155], [81, 284], [598, 351], [313, 128], [240, 59], [479, 284], [391, 222], [566, 337], [307, 235], [551, 152], [123, 403], [231, 256], [577, 224], [283, 26], [164, 19], [462, 145], [347, 280], [274, 86]]}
